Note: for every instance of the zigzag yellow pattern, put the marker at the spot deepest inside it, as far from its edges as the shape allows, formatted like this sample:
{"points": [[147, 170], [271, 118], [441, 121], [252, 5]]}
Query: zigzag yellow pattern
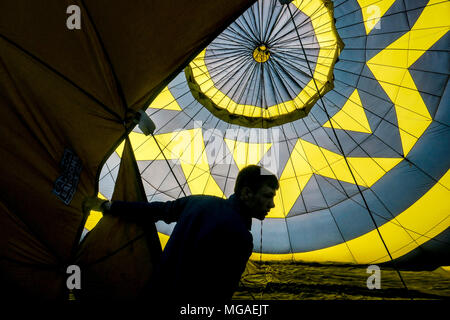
{"points": [[390, 68]]}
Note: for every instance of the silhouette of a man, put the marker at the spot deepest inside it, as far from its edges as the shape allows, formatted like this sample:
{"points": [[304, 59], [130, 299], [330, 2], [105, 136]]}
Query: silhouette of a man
{"points": [[211, 243]]}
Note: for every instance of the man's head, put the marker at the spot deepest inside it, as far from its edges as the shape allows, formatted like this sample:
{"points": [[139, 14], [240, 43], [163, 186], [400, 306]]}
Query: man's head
{"points": [[256, 187]]}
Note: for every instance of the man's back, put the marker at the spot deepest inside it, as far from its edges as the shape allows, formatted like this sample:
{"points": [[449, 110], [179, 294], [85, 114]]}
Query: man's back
{"points": [[206, 253]]}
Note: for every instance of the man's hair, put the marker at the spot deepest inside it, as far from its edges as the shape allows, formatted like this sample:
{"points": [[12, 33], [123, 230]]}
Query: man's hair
{"points": [[254, 177]]}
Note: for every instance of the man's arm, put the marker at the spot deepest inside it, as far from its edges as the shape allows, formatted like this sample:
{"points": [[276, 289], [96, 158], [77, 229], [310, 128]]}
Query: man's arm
{"points": [[168, 211]]}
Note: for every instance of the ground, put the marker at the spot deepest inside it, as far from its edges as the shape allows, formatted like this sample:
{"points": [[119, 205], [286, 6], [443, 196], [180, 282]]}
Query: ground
{"points": [[295, 281]]}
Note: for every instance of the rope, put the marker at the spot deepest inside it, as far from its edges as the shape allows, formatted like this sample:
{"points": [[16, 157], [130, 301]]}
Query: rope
{"points": [[167, 161], [342, 151], [260, 256]]}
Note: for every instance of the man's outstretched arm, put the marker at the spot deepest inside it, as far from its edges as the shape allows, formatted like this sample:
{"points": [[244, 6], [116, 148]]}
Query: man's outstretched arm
{"points": [[168, 211]]}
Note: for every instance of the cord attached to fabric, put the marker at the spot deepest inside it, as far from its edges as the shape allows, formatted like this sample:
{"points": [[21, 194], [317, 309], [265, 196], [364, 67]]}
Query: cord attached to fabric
{"points": [[168, 164], [340, 146]]}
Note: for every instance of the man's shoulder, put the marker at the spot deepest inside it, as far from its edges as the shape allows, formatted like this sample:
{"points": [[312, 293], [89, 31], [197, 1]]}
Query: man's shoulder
{"points": [[200, 199], [196, 204], [204, 197]]}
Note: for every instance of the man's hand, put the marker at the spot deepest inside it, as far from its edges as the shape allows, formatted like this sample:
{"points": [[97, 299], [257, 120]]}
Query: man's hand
{"points": [[94, 203]]}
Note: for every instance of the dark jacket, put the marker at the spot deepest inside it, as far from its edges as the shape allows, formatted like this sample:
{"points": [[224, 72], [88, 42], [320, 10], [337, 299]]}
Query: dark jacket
{"points": [[207, 250]]}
